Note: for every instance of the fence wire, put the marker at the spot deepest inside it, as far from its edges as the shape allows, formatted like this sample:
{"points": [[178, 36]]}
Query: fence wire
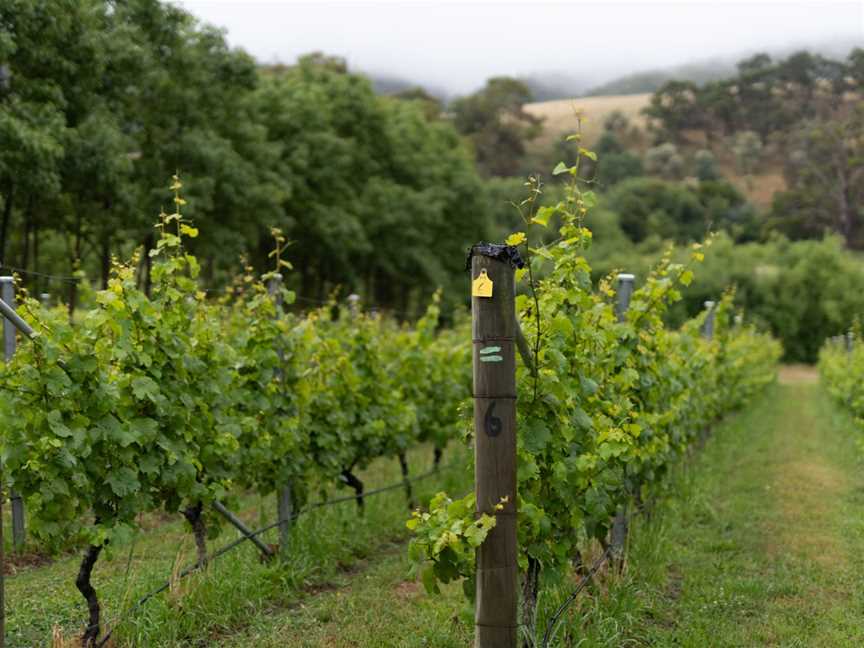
{"points": [[32, 273], [236, 543]]}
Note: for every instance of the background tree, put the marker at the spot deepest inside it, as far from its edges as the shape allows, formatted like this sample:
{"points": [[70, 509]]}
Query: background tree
{"points": [[825, 175], [705, 164], [665, 161], [495, 121], [747, 149]]}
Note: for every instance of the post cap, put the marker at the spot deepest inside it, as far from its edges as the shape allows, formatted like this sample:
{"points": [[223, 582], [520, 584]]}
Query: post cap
{"points": [[7, 279], [353, 298], [710, 304], [626, 277]]}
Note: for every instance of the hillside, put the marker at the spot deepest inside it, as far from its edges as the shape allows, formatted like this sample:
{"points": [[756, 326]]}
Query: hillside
{"points": [[559, 120]]}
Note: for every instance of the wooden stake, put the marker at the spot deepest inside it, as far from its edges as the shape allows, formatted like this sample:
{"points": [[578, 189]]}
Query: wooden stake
{"points": [[494, 333]]}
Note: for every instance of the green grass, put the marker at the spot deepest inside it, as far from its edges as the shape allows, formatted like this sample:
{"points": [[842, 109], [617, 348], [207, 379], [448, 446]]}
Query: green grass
{"points": [[376, 606], [327, 544], [761, 545]]}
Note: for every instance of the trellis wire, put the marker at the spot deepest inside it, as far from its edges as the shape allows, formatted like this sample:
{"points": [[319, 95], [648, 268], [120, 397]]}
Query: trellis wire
{"points": [[236, 543]]}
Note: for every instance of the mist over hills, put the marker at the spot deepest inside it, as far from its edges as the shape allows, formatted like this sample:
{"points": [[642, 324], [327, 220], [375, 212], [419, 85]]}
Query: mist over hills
{"points": [[551, 85]]}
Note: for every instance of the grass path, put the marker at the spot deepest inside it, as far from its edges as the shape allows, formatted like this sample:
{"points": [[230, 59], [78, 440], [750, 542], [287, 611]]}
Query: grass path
{"points": [[766, 549]]}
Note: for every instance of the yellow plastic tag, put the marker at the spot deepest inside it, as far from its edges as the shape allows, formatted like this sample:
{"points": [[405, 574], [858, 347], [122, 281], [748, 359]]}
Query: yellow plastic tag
{"points": [[482, 285]]}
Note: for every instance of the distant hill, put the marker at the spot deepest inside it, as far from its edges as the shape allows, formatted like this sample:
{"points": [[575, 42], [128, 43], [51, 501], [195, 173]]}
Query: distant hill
{"points": [[551, 86], [701, 72], [389, 85], [651, 80]]}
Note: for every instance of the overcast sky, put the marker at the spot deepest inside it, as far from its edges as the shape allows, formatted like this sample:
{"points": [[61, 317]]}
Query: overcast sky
{"points": [[456, 46]]}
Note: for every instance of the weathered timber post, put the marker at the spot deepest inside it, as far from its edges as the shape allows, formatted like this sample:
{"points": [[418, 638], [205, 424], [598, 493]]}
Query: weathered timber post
{"points": [[284, 499], [708, 325], [7, 287], [493, 319], [850, 342], [619, 524], [45, 299]]}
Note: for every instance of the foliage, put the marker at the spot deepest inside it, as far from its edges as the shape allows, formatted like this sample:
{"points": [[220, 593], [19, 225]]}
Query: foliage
{"points": [[374, 183], [840, 360], [825, 179], [168, 401], [653, 206], [445, 539], [764, 97], [800, 291], [706, 165], [613, 403], [747, 148], [618, 167], [494, 120], [103, 100], [120, 416]]}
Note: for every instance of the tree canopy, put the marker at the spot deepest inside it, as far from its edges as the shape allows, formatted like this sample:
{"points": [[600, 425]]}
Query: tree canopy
{"points": [[102, 101]]}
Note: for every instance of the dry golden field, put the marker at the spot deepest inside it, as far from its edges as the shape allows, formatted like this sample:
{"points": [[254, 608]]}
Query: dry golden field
{"points": [[559, 116]]}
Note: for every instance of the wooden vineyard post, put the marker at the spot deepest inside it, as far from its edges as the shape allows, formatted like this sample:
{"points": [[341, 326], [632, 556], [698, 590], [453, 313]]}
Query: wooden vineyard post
{"points": [[7, 288], [284, 500], [708, 325], [493, 326], [849, 342]]}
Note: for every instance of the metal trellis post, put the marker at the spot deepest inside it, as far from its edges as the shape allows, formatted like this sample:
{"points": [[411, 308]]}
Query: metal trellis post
{"points": [[708, 325], [7, 287]]}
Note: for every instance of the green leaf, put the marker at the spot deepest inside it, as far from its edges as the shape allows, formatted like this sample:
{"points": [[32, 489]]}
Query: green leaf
{"points": [[187, 230], [429, 580], [687, 277], [123, 481], [535, 435], [543, 215], [145, 387], [516, 238]]}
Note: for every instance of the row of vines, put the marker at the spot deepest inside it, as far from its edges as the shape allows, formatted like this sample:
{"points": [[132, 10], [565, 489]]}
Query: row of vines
{"points": [[841, 369], [613, 400], [176, 400]]}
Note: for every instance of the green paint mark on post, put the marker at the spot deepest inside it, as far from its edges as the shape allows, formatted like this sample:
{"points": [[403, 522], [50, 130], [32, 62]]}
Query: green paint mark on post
{"points": [[491, 358], [487, 350]]}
